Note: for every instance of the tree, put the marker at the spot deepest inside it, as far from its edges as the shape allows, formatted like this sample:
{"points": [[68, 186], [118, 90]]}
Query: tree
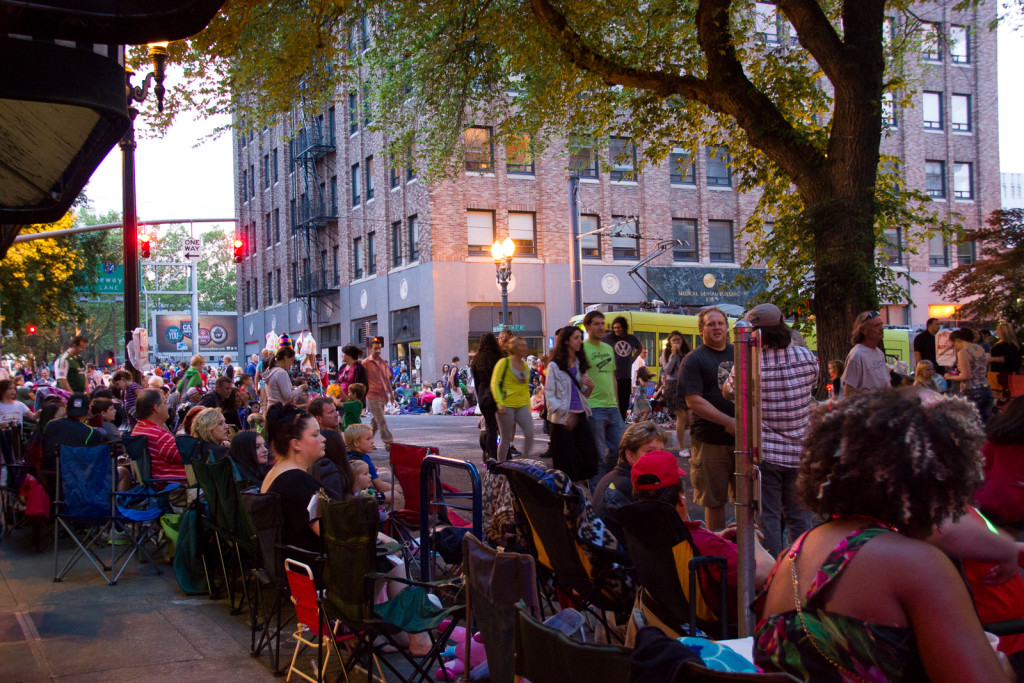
{"points": [[801, 119], [216, 276], [993, 286]]}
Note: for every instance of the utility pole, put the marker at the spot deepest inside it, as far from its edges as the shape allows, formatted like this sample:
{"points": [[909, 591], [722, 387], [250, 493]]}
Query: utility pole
{"points": [[575, 264]]}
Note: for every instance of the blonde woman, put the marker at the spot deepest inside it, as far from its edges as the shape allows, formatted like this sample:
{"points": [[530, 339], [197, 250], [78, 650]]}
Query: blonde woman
{"points": [[924, 375], [510, 386], [212, 430]]}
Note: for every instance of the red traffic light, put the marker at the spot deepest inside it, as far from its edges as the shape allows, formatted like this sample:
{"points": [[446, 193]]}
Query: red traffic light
{"points": [[32, 329], [145, 241], [239, 247]]}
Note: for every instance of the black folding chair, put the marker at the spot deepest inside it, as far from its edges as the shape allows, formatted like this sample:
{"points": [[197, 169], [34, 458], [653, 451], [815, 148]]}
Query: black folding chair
{"points": [[546, 655]]}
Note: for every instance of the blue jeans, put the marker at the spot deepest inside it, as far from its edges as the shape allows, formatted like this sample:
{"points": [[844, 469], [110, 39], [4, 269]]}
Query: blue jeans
{"points": [[779, 501], [983, 399], [607, 426]]}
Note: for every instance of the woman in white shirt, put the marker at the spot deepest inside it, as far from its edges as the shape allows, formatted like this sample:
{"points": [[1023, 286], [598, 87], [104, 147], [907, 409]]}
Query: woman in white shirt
{"points": [[279, 381], [12, 411]]}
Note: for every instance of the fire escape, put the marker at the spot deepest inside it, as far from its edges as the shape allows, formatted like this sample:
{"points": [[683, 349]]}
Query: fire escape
{"points": [[314, 213]]}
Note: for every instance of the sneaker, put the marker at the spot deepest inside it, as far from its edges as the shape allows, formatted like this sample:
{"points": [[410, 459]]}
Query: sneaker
{"points": [[117, 537]]}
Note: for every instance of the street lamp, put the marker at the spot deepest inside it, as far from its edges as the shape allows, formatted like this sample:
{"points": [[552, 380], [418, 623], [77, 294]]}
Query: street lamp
{"points": [[130, 219], [502, 252]]}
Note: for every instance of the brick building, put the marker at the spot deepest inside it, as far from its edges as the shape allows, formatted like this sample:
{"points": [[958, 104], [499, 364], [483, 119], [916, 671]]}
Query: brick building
{"points": [[339, 236]]}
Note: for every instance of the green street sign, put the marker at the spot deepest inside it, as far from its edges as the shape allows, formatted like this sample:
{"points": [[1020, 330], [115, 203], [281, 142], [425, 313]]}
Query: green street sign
{"points": [[109, 280], [510, 328]]}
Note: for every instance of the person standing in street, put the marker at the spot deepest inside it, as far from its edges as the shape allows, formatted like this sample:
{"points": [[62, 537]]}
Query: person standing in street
{"points": [[924, 344], [378, 390], [712, 425], [68, 369], [627, 348], [606, 422], [865, 364]]}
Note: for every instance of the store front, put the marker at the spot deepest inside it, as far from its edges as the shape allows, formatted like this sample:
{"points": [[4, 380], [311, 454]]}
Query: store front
{"points": [[526, 322], [406, 346]]}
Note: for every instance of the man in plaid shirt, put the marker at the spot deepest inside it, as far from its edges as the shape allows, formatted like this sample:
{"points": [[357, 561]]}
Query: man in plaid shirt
{"points": [[788, 375]]}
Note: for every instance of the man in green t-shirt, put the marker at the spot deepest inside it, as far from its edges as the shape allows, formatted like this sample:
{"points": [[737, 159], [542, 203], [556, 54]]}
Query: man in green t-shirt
{"points": [[606, 423], [68, 368]]}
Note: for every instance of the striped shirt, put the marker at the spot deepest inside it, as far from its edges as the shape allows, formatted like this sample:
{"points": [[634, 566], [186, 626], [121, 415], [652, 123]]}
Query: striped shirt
{"points": [[165, 460], [787, 378]]}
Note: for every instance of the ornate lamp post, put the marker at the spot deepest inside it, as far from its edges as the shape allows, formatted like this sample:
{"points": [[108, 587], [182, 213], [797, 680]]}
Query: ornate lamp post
{"points": [[502, 252], [158, 53]]}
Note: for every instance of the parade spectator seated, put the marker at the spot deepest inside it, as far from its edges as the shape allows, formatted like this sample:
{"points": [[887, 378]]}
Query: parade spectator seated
{"points": [[221, 393], [458, 399], [191, 399], [359, 440], [249, 455], [210, 427], [615, 489], [103, 413], [438, 405], [165, 461], [864, 592], [70, 430], [427, 396], [656, 476], [353, 407], [1002, 496], [12, 411]]}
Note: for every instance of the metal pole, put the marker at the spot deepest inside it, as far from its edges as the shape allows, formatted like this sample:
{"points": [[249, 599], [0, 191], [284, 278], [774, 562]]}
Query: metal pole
{"points": [[503, 277], [195, 307], [131, 229], [748, 440], [575, 263]]}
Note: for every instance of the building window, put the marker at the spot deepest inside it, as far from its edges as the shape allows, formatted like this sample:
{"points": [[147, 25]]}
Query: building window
{"points": [[252, 181], [266, 171], [938, 251], [959, 45], [364, 32], [590, 245], [522, 228], [682, 170], [369, 178], [685, 230], [357, 257], [277, 225], [625, 239], [270, 289], [965, 253], [322, 282], [295, 279], [410, 171], [295, 215], [718, 172], [960, 113], [396, 244], [932, 109], [267, 229], [356, 192], [963, 183], [245, 186], [371, 253], [414, 238], [334, 195], [255, 292], [248, 295], [893, 248], [888, 110], [353, 114], [479, 149], [935, 178], [367, 109], [278, 287], [274, 164], [930, 47], [766, 22], [479, 231], [335, 269], [396, 176], [519, 151], [330, 126], [622, 155], [720, 243], [584, 162]]}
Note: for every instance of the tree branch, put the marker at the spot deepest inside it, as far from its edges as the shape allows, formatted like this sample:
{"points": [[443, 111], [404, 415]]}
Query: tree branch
{"points": [[816, 34]]}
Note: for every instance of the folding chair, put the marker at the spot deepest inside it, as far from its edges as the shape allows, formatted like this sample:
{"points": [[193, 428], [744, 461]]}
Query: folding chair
{"points": [[549, 509], [309, 630], [136, 448], [495, 583], [190, 449], [348, 530], [668, 564], [87, 504], [546, 655]]}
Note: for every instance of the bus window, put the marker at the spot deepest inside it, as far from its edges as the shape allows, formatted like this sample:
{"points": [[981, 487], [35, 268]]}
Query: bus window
{"points": [[648, 340]]}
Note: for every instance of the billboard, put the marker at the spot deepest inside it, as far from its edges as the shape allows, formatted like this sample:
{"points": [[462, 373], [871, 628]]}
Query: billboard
{"points": [[218, 333]]}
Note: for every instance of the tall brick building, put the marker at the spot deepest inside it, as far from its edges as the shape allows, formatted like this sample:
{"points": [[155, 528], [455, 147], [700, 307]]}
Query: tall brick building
{"points": [[342, 244]]}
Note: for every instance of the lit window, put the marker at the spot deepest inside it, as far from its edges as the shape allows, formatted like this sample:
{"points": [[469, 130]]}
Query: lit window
{"points": [[479, 149], [519, 151]]}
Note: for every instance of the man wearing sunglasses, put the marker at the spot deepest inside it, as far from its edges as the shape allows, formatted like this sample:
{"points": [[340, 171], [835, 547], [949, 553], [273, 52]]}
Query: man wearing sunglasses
{"points": [[865, 364]]}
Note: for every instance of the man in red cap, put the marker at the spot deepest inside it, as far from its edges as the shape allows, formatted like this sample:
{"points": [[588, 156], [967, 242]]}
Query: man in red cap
{"points": [[656, 476]]}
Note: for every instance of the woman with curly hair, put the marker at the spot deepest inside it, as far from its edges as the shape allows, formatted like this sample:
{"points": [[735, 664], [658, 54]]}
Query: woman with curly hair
{"points": [[863, 597], [972, 372]]}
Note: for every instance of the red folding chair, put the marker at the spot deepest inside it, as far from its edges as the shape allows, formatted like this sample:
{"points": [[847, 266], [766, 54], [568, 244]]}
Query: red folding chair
{"points": [[308, 628]]}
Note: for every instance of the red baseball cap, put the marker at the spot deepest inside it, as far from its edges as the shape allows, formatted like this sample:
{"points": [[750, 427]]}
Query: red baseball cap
{"points": [[660, 464]]}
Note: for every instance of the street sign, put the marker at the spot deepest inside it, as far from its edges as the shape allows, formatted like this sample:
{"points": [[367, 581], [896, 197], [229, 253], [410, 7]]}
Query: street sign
{"points": [[183, 346], [510, 328], [193, 248], [109, 280]]}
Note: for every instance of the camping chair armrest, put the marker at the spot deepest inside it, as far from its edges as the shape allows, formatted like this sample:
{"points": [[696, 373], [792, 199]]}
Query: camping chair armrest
{"points": [[295, 552], [705, 562], [1005, 628], [455, 583]]}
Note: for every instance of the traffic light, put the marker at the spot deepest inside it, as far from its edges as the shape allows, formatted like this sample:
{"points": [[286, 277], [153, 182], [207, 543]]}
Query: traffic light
{"points": [[239, 246], [31, 329], [109, 360], [145, 240]]}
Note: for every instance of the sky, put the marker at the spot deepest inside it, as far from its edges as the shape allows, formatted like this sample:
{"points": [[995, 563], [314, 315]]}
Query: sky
{"points": [[178, 179]]}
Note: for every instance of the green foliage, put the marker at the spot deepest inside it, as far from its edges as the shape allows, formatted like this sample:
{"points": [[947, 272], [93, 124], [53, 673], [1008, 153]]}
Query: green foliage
{"points": [[216, 277], [993, 286]]}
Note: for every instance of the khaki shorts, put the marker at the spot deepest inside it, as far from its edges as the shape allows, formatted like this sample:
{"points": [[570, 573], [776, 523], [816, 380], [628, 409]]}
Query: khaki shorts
{"points": [[712, 468]]}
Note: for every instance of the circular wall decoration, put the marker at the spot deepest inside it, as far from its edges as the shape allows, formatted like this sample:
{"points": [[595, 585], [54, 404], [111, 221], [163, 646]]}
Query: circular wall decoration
{"points": [[710, 281], [610, 283], [252, 327], [363, 299], [403, 289], [298, 316], [273, 322], [511, 284]]}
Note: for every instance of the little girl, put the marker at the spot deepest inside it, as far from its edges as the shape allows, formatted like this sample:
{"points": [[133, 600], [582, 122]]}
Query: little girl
{"points": [[641, 404], [361, 472], [835, 374]]}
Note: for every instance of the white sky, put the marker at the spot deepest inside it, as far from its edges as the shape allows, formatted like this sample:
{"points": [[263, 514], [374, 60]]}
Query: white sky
{"points": [[175, 179]]}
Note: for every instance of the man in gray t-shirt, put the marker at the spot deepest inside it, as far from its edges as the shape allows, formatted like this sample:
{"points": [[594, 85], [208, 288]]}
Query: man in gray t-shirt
{"points": [[865, 364]]}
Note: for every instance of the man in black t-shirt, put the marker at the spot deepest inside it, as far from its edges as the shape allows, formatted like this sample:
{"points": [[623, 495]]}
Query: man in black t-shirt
{"points": [[627, 348], [713, 425], [68, 431], [924, 345]]}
